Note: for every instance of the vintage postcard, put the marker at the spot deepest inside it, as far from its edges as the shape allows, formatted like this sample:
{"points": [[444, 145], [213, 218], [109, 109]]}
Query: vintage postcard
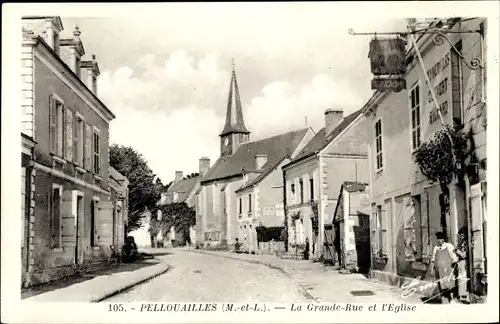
{"points": [[250, 162]]}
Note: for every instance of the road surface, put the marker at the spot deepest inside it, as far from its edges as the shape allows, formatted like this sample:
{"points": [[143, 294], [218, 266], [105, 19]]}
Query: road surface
{"points": [[198, 277]]}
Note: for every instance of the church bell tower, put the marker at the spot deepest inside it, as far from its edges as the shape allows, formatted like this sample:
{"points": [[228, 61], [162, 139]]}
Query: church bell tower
{"points": [[234, 132]]}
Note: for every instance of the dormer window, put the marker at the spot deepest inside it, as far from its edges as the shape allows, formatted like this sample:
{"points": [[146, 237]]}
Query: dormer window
{"points": [[56, 42], [77, 66]]}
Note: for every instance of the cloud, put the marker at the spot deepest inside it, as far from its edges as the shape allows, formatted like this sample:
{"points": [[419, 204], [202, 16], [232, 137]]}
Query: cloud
{"points": [[284, 106], [172, 110]]}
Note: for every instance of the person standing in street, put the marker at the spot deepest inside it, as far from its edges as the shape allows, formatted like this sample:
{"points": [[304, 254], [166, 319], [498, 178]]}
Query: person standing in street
{"points": [[462, 252], [444, 260]]}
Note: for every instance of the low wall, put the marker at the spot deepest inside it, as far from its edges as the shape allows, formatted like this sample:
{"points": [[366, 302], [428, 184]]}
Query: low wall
{"points": [[271, 248]]}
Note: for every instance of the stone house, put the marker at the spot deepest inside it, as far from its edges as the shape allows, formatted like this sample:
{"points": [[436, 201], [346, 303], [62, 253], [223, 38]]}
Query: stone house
{"points": [[337, 153], [71, 213], [406, 206], [181, 190], [220, 211], [118, 184], [351, 228]]}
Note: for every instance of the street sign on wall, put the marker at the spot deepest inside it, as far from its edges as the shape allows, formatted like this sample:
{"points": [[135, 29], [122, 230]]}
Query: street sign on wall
{"points": [[387, 56], [389, 84]]}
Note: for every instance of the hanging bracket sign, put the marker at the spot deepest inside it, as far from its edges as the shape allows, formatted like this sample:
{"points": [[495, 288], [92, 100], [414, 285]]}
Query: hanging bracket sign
{"points": [[388, 84], [388, 64], [387, 56]]}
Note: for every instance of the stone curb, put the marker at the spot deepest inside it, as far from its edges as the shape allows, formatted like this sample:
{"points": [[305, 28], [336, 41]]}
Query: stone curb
{"points": [[127, 286]]}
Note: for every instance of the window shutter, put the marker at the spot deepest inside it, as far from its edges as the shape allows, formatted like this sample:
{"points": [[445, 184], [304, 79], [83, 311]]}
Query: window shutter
{"points": [[95, 223], [424, 225], [476, 215], [68, 135], [374, 230], [76, 156], [68, 220], [88, 147], [383, 228], [409, 229], [56, 218], [53, 124], [105, 223]]}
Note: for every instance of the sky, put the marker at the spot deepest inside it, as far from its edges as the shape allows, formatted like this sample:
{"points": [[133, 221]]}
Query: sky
{"points": [[166, 77]]}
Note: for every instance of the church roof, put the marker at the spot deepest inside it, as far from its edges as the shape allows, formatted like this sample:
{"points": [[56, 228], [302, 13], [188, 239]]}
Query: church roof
{"points": [[182, 187], [320, 141], [276, 148], [234, 115]]}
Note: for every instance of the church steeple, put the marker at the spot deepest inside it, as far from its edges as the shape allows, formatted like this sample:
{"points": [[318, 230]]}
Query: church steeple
{"points": [[234, 132]]}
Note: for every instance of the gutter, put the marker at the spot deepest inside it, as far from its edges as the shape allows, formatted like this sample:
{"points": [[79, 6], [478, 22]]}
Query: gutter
{"points": [[300, 159]]}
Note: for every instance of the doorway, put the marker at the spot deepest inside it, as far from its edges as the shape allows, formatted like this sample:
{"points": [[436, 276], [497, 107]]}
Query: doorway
{"points": [[78, 221]]}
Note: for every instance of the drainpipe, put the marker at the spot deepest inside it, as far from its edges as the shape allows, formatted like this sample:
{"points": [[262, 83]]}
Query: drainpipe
{"points": [[321, 215], [285, 211]]}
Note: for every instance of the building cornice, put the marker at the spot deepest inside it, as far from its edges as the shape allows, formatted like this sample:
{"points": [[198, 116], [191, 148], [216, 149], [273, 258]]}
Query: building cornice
{"points": [[45, 54]]}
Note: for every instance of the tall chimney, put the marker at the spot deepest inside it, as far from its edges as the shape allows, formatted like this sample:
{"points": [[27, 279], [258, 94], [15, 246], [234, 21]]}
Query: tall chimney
{"points": [[178, 176], [333, 117], [260, 160], [204, 166]]}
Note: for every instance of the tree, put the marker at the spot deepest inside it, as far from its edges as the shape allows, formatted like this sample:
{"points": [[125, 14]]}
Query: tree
{"points": [[192, 175], [179, 215], [144, 186], [440, 160]]}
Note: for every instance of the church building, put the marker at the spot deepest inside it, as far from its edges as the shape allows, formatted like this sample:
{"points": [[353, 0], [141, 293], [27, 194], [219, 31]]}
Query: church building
{"points": [[241, 161]]}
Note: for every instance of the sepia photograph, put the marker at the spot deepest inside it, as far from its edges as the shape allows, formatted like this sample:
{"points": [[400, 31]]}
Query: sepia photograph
{"points": [[219, 154]]}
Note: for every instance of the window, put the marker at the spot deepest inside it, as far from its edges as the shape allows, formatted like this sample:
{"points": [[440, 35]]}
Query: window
{"points": [[241, 207], [292, 189], [56, 125], [94, 84], [378, 142], [55, 216], [215, 197], [415, 117], [79, 142], [176, 196], [249, 203], [311, 187], [56, 42], [96, 146], [94, 221], [77, 66], [301, 187]]}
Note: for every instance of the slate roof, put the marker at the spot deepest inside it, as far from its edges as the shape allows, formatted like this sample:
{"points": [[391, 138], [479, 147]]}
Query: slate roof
{"points": [[319, 141], [183, 189], [234, 114], [276, 148], [262, 175], [115, 174]]}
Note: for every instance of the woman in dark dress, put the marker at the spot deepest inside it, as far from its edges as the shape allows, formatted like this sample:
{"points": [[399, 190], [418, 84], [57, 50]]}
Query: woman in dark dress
{"points": [[462, 252]]}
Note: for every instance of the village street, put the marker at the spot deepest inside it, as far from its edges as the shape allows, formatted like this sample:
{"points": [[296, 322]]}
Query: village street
{"points": [[215, 277]]}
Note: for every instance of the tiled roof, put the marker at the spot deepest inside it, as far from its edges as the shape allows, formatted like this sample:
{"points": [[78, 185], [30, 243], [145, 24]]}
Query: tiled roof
{"points": [[275, 148], [183, 188], [262, 175], [319, 141]]}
